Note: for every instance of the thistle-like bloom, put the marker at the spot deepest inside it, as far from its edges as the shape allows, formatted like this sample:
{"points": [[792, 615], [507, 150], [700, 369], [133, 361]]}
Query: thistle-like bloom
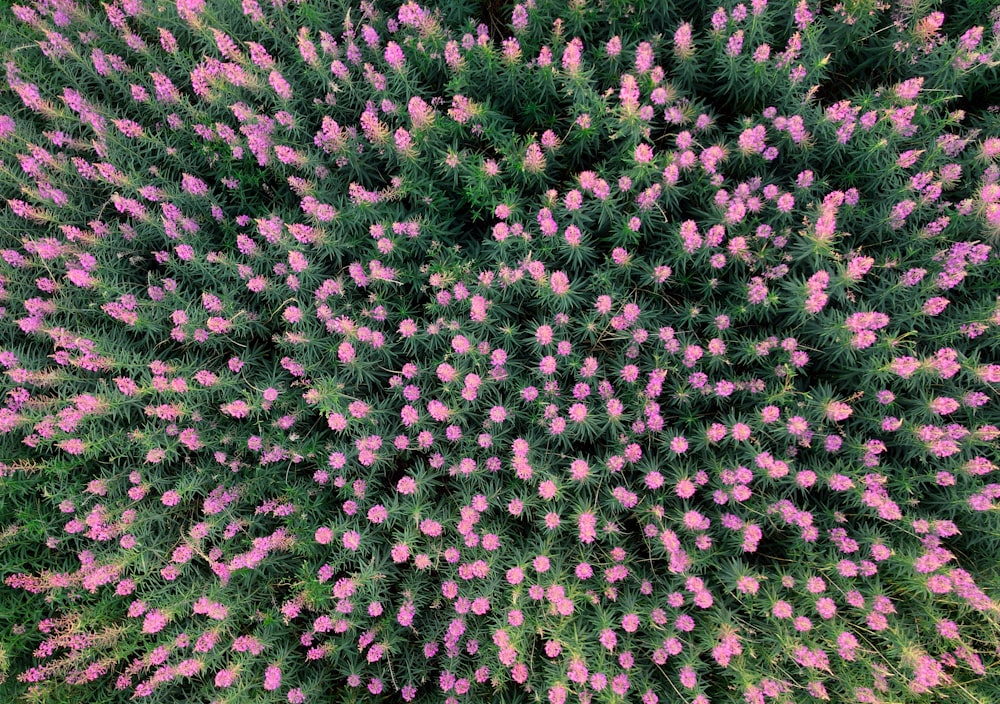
{"points": [[189, 10], [280, 85], [225, 678], [534, 160], [683, 45], [572, 56], [272, 678], [394, 56]]}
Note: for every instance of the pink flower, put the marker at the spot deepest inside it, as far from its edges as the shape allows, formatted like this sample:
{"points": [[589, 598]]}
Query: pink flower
{"points": [[572, 56], [280, 85], [608, 639], [438, 410], [394, 56], [559, 283], [519, 18], [189, 667], [548, 489], [643, 154], [547, 365], [534, 160], [683, 46], [73, 446], [225, 678], [193, 185], [587, 523], [579, 470], [685, 488], [236, 409], [688, 677], [352, 540], [935, 306], [154, 622], [943, 405], [630, 623], [188, 10], [908, 90], [272, 678]]}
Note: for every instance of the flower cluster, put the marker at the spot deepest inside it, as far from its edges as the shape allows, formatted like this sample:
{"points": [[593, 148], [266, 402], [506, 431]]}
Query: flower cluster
{"points": [[370, 352]]}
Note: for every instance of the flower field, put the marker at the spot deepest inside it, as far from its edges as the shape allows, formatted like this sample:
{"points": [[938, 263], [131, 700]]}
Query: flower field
{"points": [[559, 351]]}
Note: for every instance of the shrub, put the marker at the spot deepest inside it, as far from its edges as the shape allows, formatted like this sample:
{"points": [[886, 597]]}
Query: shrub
{"points": [[598, 352]]}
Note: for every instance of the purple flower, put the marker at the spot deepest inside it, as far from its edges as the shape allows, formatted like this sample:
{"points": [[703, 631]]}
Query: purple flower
{"points": [[394, 56], [225, 678], [190, 9], [683, 46], [272, 678]]}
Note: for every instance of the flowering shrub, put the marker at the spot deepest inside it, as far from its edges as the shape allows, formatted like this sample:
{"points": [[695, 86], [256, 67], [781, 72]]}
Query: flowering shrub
{"points": [[574, 352]]}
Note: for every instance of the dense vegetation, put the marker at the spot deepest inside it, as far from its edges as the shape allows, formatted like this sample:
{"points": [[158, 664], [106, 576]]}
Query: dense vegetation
{"points": [[561, 351]]}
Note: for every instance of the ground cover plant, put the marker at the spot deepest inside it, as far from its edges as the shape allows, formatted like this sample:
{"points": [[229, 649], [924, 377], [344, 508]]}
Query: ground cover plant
{"points": [[544, 352]]}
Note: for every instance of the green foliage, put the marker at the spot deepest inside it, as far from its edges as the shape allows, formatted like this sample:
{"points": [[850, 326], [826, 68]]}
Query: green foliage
{"points": [[599, 351]]}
